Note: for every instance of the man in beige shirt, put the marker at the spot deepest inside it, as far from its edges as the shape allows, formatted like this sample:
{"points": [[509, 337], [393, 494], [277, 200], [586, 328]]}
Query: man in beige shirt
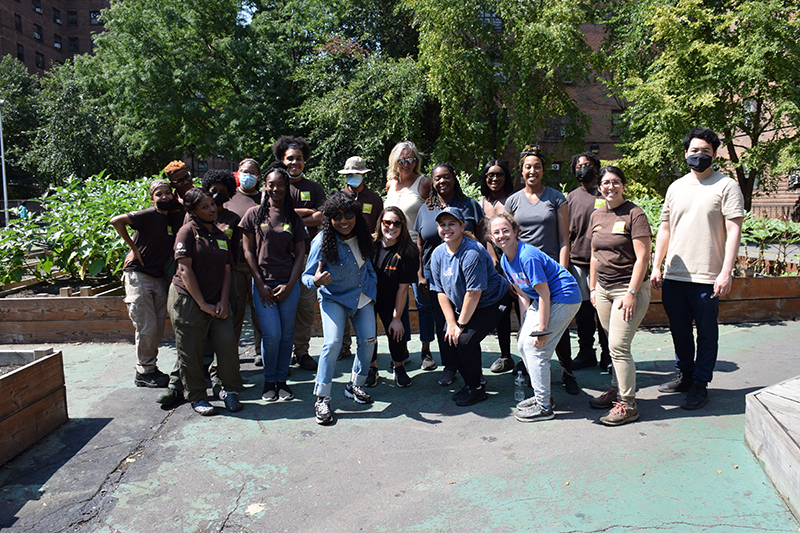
{"points": [[701, 227]]}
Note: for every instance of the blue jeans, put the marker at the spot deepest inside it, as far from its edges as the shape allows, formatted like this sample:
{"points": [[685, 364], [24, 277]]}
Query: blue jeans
{"points": [[685, 303], [333, 318], [277, 332]]}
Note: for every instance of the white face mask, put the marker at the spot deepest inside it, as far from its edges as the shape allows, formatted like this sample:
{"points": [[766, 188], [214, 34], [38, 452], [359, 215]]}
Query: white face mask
{"points": [[247, 181]]}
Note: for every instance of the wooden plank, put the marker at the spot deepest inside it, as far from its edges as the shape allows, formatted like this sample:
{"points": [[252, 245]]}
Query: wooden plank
{"points": [[786, 412], [73, 308], [29, 384], [59, 331], [65, 292], [764, 288], [23, 429], [738, 311]]}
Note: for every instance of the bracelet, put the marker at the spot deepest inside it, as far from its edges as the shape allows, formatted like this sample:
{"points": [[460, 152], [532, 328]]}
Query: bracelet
{"points": [[459, 325]]}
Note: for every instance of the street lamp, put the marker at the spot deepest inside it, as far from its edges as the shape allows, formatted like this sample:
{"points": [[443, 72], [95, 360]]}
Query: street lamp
{"points": [[3, 160]]}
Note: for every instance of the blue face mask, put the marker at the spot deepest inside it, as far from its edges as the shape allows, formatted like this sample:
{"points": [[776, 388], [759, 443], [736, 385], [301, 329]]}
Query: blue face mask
{"points": [[354, 180], [247, 181]]}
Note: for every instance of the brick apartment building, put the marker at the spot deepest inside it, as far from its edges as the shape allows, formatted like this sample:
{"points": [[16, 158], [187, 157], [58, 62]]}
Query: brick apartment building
{"points": [[41, 33]]}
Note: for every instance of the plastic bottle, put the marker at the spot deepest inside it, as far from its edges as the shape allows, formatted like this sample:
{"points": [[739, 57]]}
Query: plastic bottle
{"points": [[519, 387]]}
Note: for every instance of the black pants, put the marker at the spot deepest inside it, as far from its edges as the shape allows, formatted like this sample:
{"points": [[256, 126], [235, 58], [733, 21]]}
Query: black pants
{"points": [[466, 355], [588, 322], [398, 350]]}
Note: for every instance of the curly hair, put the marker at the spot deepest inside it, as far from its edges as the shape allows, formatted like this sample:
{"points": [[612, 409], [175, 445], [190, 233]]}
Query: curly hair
{"points": [[433, 199], [173, 167], [340, 201], [192, 198], [405, 247], [392, 172], [285, 142], [288, 205], [508, 187], [593, 159], [225, 177]]}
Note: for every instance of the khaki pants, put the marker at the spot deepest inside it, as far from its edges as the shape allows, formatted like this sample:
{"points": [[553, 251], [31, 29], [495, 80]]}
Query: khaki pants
{"points": [[146, 299], [620, 334]]}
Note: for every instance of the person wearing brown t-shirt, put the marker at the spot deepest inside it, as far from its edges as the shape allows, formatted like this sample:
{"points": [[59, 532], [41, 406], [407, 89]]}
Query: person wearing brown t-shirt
{"points": [[621, 241], [198, 306], [308, 198]]}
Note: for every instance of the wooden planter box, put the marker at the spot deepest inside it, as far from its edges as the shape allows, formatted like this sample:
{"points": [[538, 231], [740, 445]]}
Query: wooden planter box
{"points": [[33, 399]]}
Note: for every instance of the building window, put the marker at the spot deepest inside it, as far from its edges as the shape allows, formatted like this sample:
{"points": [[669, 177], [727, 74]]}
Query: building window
{"points": [[57, 16], [20, 52], [39, 60], [73, 44], [57, 42], [72, 18], [17, 22], [556, 128], [94, 18], [617, 123], [37, 32], [37, 6]]}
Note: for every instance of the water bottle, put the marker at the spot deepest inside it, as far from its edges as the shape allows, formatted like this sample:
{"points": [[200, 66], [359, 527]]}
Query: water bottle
{"points": [[519, 387]]}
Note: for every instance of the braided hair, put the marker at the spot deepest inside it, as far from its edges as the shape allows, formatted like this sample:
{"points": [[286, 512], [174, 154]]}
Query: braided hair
{"points": [[433, 199], [340, 201], [288, 205]]}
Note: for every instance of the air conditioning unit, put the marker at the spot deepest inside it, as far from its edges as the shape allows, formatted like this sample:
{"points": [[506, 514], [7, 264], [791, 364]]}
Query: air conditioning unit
{"points": [[555, 167]]}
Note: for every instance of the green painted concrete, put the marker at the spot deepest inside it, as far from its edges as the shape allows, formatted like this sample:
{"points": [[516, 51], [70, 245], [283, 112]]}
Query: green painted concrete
{"points": [[412, 461]]}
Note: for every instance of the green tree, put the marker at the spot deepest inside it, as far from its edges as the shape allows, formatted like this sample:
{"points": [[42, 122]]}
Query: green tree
{"points": [[19, 90], [727, 65]]}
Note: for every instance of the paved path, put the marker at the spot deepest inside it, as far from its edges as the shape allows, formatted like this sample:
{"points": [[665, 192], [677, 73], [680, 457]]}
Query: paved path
{"points": [[412, 461]]}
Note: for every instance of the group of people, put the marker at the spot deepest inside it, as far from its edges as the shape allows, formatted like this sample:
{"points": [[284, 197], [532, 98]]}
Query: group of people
{"points": [[204, 254]]}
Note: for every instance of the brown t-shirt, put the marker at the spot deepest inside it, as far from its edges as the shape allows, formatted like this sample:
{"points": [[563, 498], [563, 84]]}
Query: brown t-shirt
{"points": [[308, 194], [275, 244], [613, 231], [371, 206], [209, 252], [582, 204], [154, 237]]}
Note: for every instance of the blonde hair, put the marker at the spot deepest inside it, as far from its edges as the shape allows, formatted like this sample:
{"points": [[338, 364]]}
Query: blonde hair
{"points": [[173, 167], [508, 217], [392, 173]]}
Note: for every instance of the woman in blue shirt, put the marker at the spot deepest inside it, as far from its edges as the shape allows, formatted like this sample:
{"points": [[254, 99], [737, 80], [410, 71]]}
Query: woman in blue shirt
{"points": [[339, 268], [552, 298]]}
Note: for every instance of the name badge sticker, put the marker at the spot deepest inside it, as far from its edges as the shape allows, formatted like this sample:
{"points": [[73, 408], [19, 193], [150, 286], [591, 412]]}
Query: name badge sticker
{"points": [[229, 232], [287, 227], [305, 196], [599, 202], [223, 244], [367, 208], [619, 227]]}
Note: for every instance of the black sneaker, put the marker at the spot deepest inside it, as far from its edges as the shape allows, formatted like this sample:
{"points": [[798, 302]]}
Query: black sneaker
{"points": [[605, 363], [584, 360], [427, 361], [570, 383], [357, 393], [307, 362], [697, 396], [680, 383], [155, 379], [323, 411], [461, 394], [231, 400], [447, 378], [372, 377], [472, 397], [258, 360], [401, 378], [169, 397], [284, 392], [270, 393]]}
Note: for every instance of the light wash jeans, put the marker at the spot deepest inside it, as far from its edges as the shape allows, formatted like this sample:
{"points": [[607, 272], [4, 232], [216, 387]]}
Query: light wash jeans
{"points": [[277, 332], [537, 360], [333, 319]]}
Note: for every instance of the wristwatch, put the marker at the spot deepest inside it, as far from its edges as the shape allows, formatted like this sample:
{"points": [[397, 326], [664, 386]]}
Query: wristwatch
{"points": [[632, 291]]}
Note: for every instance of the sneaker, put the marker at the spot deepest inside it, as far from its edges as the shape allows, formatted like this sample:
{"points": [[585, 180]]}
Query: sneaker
{"points": [[168, 397], [284, 392], [527, 403], [231, 400], [357, 393], [324, 414], [270, 393], [204, 408], [680, 383], [605, 400], [447, 378], [401, 378], [502, 364], [344, 352], [697, 396], [584, 360], [570, 383], [155, 379], [620, 414], [307, 362], [258, 360], [463, 392], [372, 377], [535, 413], [427, 361], [472, 397]]}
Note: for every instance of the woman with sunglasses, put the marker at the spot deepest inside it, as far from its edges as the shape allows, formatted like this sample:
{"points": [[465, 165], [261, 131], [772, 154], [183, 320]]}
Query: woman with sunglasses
{"points": [[407, 189], [621, 240], [339, 268], [396, 263]]}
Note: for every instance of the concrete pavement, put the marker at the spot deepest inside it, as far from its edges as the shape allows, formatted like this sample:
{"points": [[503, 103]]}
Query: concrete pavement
{"points": [[411, 461]]}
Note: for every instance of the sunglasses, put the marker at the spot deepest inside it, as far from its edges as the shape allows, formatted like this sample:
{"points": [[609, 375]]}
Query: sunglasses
{"points": [[406, 160], [495, 175], [392, 223], [339, 214]]}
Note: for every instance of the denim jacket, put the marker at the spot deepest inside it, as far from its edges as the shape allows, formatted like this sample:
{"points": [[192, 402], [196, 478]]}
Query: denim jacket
{"points": [[348, 281]]}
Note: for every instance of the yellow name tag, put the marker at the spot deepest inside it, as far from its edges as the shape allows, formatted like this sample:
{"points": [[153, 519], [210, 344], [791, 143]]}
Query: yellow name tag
{"points": [[367, 208], [169, 230], [223, 245], [599, 202], [619, 227], [229, 232], [287, 227], [305, 196]]}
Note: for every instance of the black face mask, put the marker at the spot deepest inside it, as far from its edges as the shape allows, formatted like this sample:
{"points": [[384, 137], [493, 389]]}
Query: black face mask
{"points": [[699, 162], [220, 197], [586, 174], [169, 205]]}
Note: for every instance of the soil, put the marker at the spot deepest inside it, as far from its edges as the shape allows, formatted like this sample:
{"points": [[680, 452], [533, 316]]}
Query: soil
{"points": [[5, 369], [45, 289]]}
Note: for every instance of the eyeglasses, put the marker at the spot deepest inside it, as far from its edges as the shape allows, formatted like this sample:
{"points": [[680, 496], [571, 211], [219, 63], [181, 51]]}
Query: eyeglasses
{"points": [[406, 160], [495, 175], [611, 183], [499, 232], [186, 179], [346, 214], [392, 223]]}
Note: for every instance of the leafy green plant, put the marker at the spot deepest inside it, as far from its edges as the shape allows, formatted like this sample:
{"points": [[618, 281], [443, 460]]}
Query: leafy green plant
{"points": [[765, 232], [469, 187]]}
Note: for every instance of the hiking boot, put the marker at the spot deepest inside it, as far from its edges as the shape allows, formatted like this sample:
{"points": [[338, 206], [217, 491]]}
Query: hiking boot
{"points": [[472, 397], [605, 400], [231, 400], [284, 392], [680, 383], [168, 397], [401, 378], [502, 364], [570, 383], [534, 413], [323, 411], [270, 393], [357, 393], [620, 414], [372, 377], [307, 362], [204, 408], [155, 379], [697, 396], [427, 361], [584, 360]]}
